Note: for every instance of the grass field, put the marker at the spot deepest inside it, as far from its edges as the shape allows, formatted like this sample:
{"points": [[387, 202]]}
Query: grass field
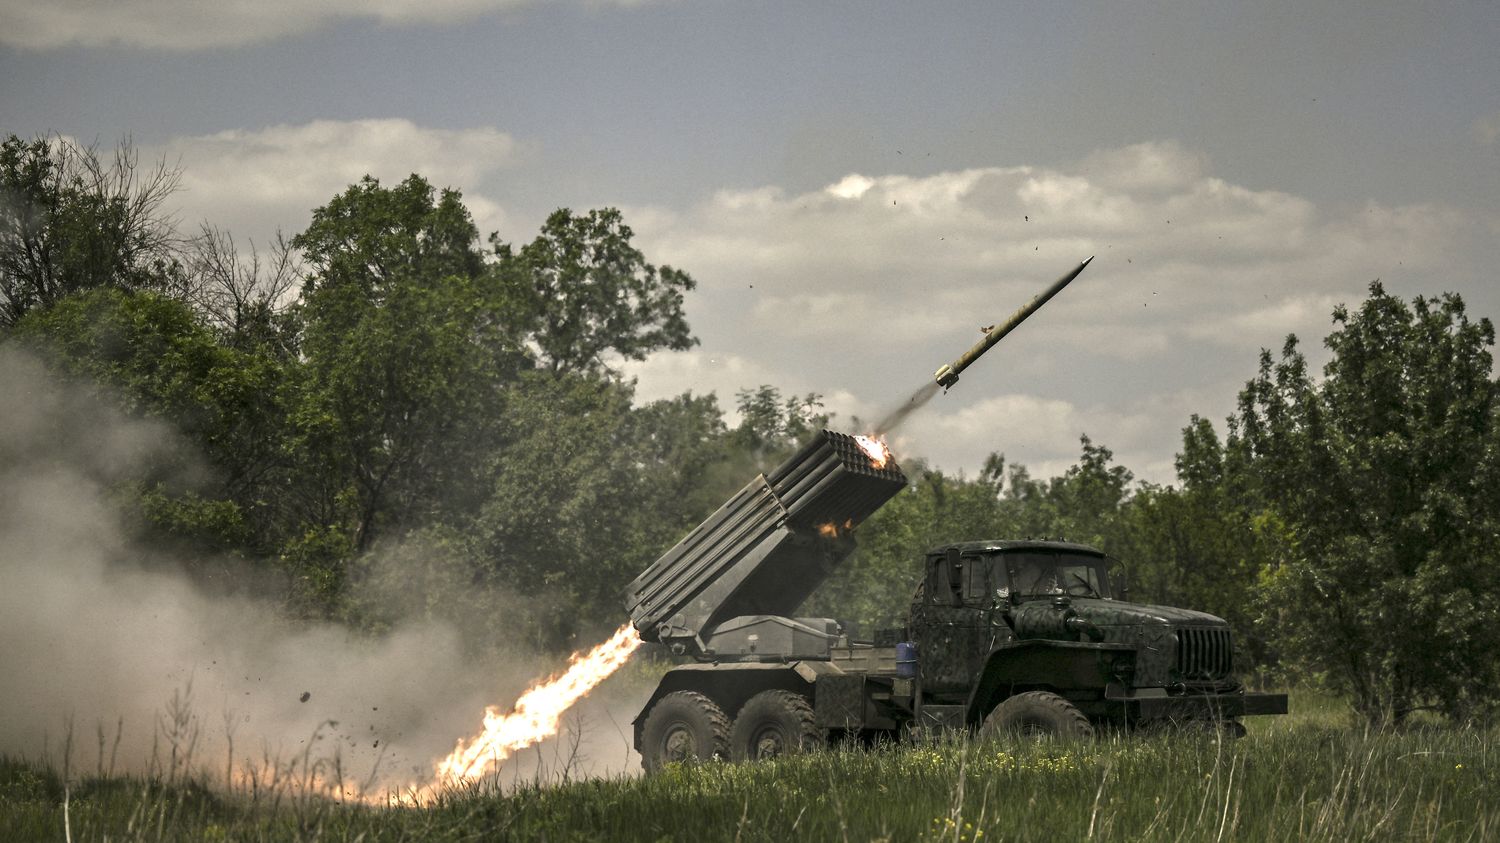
{"points": [[1307, 776]]}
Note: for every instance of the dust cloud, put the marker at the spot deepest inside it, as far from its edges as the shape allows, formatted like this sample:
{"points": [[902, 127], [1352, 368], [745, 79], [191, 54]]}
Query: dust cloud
{"points": [[113, 644]]}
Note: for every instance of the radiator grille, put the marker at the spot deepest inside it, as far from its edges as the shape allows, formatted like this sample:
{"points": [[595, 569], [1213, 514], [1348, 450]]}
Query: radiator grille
{"points": [[1204, 653]]}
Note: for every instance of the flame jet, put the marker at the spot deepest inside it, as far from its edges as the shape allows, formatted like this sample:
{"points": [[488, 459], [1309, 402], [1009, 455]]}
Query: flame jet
{"points": [[947, 376]]}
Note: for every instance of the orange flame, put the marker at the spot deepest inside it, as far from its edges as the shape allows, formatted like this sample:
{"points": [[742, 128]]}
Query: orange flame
{"points": [[832, 530], [536, 716], [875, 449], [537, 713]]}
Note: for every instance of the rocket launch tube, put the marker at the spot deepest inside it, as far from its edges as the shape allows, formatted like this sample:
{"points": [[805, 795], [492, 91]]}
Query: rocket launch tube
{"points": [[948, 375]]}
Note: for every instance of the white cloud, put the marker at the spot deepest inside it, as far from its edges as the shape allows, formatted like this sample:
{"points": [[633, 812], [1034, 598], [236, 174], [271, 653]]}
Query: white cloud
{"points": [[1043, 432], [1011, 424], [199, 24], [698, 371], [254, 182], [701, 372], [1177, 249], [867, 284], [1303, 315], [852, 187]]}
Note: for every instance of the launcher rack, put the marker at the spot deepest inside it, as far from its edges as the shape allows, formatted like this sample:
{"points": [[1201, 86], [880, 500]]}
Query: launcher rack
{"points": [[728, 587]]}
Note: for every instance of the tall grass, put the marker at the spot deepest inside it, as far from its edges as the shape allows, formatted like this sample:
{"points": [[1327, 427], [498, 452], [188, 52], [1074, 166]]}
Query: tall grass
{"points": [[1308, 776]]}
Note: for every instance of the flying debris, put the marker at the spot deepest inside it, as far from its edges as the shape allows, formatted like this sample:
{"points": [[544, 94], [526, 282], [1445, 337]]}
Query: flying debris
{"points": [[947, 376]]}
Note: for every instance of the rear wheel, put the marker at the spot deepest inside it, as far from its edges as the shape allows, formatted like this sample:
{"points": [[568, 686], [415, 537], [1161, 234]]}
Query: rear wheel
{"points": [[1037, 715], [774, 723], [684, 727]]}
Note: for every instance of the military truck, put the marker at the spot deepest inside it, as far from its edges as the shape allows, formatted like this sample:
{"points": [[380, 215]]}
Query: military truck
{"points": [[1029, 638]]}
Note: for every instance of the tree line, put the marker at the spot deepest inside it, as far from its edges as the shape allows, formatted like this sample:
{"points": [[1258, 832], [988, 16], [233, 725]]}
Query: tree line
{"points": [[395, 412]]}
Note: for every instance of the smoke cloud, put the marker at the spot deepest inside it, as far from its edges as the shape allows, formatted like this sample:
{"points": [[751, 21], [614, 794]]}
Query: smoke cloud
{"points": [[101, 634]]}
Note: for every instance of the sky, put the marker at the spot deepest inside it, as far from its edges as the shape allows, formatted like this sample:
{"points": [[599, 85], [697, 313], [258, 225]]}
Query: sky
{"points": [[859, 187]]}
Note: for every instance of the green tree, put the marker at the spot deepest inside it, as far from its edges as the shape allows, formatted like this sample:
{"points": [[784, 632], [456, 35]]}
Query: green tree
{"points": [[588, 492], [246, 298], [1200, 545], [1381, 478], [409, 350], [1085, 503], [773, 427], [588, 292], [160, 362], [444, 389], [72, 221]]}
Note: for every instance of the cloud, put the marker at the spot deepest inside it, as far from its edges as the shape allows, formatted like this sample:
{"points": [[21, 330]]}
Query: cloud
{"points": [[1487, 129], [672, 373], [669, 374], [866, 285], [196, 25], [1043, 432], [255, 181], [919, 255]]}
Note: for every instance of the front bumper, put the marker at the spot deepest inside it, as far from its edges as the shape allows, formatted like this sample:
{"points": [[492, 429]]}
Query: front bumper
{"points": [[1157, 704]]}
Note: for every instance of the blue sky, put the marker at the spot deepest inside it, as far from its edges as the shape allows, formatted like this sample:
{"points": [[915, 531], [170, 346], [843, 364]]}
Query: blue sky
{"points": [[887, 176]]}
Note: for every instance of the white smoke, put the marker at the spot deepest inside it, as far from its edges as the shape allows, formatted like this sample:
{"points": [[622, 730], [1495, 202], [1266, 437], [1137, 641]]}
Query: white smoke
{"points": [[100, 634]]}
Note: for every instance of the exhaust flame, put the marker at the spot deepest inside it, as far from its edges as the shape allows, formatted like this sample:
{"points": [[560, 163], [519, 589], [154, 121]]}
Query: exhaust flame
{"points": [[537, 712], [832, 530], [875, 449]]}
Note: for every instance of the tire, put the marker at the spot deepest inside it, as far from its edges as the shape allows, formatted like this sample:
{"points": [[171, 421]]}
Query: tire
{"points": [[684, 727], [772, 724], [1037, 715]]}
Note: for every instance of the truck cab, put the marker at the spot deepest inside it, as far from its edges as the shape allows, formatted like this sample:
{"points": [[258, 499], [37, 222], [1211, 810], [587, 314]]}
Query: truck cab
{"points": [[1051, 621]]}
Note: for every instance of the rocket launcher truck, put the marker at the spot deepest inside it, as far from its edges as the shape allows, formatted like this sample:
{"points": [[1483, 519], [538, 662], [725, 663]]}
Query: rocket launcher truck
{"points": [[1031, 638]]}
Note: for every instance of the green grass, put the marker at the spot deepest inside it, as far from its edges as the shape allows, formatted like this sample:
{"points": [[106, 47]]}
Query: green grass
{"points": [[1308, 776]]}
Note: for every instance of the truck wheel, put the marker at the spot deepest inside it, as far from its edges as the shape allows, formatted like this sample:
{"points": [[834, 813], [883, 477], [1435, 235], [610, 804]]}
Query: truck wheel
{"points": [[684, 726], [774, 723], [1037, 714]]}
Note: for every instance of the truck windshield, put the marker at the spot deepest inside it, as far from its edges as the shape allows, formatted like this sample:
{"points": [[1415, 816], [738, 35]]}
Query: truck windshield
{"points": [[1077, 575]]}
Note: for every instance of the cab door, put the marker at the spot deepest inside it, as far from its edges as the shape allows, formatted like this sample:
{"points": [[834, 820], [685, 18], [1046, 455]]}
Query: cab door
{"points": [[954, 624]]}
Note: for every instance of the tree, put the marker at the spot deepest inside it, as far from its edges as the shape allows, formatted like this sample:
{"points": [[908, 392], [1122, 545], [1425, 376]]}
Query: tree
{"points": [[588, 492], [1085, 503], [160, 362], [1200, 545], [245, 298], [1380, 478], [410, 347], [771, 427], [587, 291], [71, 221]]}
